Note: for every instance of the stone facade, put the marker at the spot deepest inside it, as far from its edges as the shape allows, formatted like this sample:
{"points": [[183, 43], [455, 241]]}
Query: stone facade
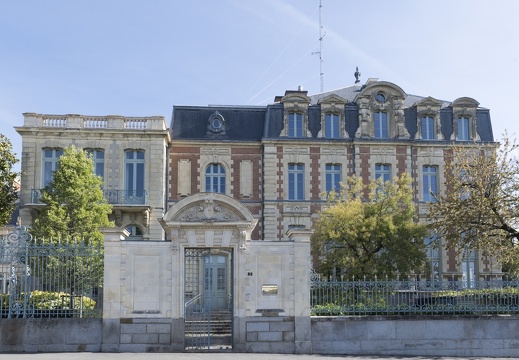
{"points": [[227, 195], [280, 159], [146, 283], [111, 138]]}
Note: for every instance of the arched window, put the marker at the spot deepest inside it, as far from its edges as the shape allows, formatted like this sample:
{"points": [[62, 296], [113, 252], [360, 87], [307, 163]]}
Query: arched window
{"points": [[215, 178], [135, 232]]}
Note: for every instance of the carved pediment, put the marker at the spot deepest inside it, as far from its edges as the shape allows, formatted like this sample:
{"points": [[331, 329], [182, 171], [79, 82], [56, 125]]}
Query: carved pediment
{"points": [[296, 97], [465, 102], [333, 99], [428, 102], [208, 210]]}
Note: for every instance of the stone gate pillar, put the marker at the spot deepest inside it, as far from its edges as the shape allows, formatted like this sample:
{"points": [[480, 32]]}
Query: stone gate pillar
{"points": [[303, 333]]}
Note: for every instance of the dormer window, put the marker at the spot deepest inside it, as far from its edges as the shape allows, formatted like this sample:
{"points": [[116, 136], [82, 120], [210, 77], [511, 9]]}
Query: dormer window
{"points": [[428, 119], [464, 119], [381, 111], [380, 97], [381, 125], [295, 117], [462, 133], [295, 125], [215, 126], [332, 117], [428, 128], [332, 126]]}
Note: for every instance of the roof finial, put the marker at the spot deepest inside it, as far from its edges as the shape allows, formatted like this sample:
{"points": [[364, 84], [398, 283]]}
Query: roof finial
{"points": [[357, 75]]}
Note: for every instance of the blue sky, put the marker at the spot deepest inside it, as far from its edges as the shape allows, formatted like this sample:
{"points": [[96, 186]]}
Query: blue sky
{"points": [[139, 58]]}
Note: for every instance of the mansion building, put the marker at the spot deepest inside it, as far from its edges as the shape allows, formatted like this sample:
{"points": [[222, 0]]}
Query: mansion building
{"points": [[277, 160]]}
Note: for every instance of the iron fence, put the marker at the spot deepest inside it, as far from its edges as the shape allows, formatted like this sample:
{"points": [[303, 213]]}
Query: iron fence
{"points": [[332, 297], [49, 280]]}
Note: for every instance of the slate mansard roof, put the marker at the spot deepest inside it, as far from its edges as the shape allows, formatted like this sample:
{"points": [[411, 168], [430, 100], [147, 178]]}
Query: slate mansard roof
{"points": [[254, 123]]}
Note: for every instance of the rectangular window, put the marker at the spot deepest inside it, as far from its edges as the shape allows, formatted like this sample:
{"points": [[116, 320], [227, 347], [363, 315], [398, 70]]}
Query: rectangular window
{"points": [[433, 256], [50, 164], [134, 176], [381, 125], [331, 126], [98, 156], [463, 129], [295, 181], [431, 246], [383, 172], [333, 177], [464, 184], [428, 127], [468, 268], [430, 183], [295, 125]]}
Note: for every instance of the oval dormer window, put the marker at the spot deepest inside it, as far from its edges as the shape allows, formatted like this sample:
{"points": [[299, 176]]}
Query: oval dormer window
{"points": [[215, 125]]}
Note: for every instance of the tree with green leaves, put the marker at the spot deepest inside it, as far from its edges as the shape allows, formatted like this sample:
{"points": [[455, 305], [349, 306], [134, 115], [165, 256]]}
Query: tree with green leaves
{"points": [[370, 230], [8, 177], [74, 211], [75, 208], [480, 209]]}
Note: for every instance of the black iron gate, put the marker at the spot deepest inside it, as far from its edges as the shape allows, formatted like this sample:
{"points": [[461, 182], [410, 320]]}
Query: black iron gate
{"points": [[208, 299]]}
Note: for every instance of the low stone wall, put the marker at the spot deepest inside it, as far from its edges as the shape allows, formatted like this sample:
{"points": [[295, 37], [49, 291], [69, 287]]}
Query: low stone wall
{"points": [[494, 336], [143, 335], [50, 335], [266, 335], [478, 336]]}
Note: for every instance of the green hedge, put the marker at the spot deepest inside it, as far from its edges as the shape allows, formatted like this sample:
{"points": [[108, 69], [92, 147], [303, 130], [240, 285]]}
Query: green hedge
{"points": [[50, 303]]}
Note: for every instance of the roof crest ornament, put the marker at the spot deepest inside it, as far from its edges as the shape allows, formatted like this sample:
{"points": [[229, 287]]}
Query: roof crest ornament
{"points": [[357, 75]]}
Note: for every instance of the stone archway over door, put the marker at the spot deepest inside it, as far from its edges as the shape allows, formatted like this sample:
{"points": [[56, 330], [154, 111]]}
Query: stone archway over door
{"points": [[208, 233]]}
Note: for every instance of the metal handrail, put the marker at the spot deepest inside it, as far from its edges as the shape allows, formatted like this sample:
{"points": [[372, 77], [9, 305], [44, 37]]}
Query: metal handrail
{"points": [[192, 301]]}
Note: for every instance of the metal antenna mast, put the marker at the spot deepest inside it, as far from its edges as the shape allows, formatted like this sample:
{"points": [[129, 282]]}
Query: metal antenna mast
{"points": [[320, 52], [321, 36]]}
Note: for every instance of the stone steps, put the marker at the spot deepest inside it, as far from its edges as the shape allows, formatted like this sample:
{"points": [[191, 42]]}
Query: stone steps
{"points": [[219, 322]]}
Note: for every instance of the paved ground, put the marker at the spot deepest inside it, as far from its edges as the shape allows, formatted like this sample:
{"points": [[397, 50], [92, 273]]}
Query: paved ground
{"points": [[206, 356]]}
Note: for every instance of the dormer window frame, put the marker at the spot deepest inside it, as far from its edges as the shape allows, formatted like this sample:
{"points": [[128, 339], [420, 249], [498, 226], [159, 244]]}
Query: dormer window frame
{"points": [[381, 97], [295, 124], [462, 127], [295, 102], [465, 108], [381, 125], [332, 127], [429, 108], [333, 105]]}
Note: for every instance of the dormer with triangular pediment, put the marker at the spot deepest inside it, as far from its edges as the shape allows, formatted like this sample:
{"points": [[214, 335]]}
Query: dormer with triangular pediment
{"points": [[332, 117]]}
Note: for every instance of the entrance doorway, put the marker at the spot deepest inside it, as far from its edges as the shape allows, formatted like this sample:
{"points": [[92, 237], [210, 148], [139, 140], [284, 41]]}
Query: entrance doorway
{"points": [[208, 299]]}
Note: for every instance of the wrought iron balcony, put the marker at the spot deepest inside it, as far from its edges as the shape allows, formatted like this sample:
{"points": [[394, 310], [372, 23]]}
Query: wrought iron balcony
{"points": [[114, 197], [126, 197]]}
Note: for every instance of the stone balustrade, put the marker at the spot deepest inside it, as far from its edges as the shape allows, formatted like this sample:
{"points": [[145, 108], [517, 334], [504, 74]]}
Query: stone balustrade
{"points": [[74, 121]]}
